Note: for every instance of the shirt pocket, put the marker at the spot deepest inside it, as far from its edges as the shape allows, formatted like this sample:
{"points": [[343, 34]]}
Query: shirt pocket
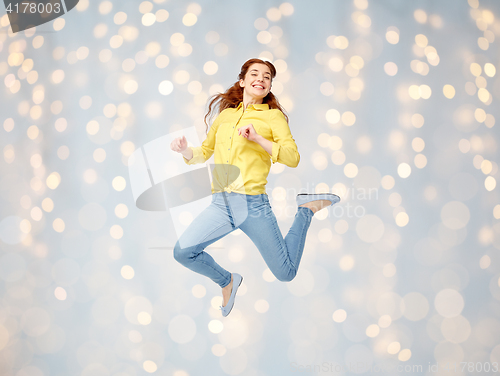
{"points": [[264, 130], [222, 135]]}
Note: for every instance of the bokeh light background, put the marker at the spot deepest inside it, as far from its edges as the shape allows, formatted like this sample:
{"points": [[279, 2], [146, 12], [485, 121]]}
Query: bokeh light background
{"points": [[393, 104]]}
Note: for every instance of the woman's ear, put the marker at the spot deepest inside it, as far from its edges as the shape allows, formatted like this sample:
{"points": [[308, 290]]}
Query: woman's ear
{"points": [[242, 83]]}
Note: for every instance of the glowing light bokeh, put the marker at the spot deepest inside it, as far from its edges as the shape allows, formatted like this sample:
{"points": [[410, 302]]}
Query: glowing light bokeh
{"points": [[393, 107]]}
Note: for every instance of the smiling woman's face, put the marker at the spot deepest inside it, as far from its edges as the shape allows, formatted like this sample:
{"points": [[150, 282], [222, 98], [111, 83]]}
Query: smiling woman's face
{"points": [[257, 82]]}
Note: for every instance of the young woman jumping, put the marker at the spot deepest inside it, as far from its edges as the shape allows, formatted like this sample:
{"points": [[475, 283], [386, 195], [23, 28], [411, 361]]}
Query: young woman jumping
{"points": [[250, 132]]}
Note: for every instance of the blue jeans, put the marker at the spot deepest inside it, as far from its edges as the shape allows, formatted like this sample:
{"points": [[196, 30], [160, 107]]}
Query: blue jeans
{"points": [[254, 216]]}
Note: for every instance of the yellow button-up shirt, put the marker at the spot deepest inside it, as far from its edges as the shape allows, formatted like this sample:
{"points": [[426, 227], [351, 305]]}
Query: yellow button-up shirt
{"points": [[241, 165]]}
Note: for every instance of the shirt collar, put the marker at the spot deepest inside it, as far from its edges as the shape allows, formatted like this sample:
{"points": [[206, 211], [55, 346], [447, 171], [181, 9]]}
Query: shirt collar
{"points": [[258, 107]]}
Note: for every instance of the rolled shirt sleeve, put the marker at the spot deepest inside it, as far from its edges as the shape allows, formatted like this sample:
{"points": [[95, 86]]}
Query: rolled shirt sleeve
{"points": [[284, 147], [198, 155]]}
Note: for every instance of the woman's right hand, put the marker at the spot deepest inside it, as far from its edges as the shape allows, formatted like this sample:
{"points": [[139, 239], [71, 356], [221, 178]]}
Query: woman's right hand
{"points": [[179, 144]]}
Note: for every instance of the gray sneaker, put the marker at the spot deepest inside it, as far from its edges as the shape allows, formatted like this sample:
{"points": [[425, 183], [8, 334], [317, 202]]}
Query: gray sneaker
{"points": [[303, 198]]}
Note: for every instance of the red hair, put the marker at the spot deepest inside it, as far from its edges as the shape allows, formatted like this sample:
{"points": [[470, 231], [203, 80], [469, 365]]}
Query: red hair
{"points": [[234, 95]]}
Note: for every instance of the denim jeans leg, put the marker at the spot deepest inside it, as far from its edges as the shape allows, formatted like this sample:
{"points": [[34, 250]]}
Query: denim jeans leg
{"points": [[209, 226], [282, 255]]}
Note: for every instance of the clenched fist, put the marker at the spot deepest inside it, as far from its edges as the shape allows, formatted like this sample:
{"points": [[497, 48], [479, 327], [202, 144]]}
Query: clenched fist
{"points": [[179, 144], [248, 131]]}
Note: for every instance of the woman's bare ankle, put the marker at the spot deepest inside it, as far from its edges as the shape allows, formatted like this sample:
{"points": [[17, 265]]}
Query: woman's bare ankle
{"points": [[316, 205], [226, 292]]}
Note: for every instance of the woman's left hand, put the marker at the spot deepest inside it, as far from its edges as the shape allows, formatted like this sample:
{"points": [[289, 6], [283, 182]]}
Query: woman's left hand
{"points": [[248, 131]]}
